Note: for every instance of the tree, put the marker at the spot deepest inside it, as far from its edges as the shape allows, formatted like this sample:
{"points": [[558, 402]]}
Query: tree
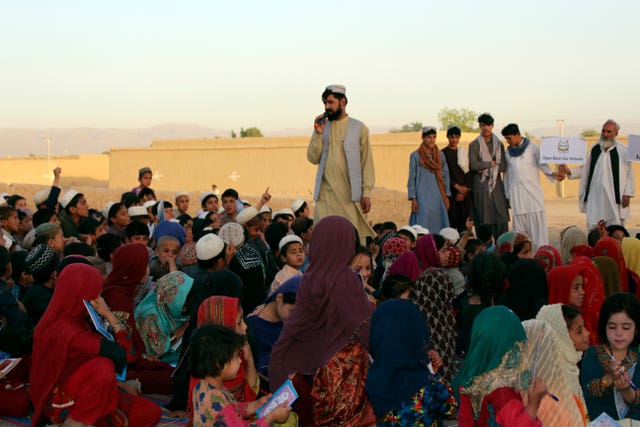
{"points": [[464, 118], [411, 127], [252, 132], [233, 134], [589, 132]]}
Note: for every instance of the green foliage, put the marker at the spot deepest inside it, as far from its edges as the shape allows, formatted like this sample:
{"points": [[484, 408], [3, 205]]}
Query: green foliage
{"points": [[411, 127], [464, 118], [233, 134], [589, 132], [252, 132]]}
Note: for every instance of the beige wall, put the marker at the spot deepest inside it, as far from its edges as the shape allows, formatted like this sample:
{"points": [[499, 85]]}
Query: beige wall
{"points": [[256, 163], [84, 169]]}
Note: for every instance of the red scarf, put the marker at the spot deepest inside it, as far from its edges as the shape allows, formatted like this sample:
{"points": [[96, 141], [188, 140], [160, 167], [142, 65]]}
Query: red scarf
{"points": [[430, 159]]}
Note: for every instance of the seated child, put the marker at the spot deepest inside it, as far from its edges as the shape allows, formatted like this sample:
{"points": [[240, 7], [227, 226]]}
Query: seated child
{"points": [[292, 255], [402, 386], [265, 324], [51, 235], [160, 318], [609, 370], [137, 232], [215, 358], [41, 264], [164, 259], [491, 378]]}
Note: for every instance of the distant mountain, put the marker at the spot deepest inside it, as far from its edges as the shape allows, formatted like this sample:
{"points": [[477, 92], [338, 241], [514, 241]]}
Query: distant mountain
{"points": [[24, 142]]}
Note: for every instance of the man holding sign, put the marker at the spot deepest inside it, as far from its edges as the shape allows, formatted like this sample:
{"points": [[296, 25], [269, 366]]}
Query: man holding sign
{"points": [[606, 179], [522, 185]]}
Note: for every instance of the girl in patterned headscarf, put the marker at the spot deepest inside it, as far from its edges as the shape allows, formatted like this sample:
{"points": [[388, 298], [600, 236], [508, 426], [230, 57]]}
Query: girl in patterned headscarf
{"points": [[433, 296], [159, 316]]}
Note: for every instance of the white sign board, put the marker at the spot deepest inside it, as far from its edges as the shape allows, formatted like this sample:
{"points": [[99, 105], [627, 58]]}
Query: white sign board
{"points": [[563, 149], [634, 148]]}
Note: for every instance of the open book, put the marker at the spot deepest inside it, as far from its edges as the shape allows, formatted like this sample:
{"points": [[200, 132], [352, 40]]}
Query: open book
{"points": [[101, 325], [285, 394], [98, 321]]}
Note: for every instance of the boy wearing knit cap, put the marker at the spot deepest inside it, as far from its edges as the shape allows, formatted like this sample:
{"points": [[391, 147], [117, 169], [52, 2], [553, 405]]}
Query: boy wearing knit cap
{"points": [[41, 263]]}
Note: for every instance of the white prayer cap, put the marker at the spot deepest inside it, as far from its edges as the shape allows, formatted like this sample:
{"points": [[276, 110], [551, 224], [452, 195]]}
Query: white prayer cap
{"points": [[232, 232], [264, 209], [337, 89], [64, 200], [181, 193], [410, 230], [281, 212], [41, 196], [137, 211], [205, 195], [290, 238], [244, 202], [421, 230], [246, 215], [149, 203], [107, 207], [426, 129], [451, 234], [209, 246], [296, 204]]}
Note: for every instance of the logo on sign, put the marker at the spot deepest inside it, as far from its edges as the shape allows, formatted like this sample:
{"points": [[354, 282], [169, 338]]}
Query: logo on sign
{"points": [[563, 145]]}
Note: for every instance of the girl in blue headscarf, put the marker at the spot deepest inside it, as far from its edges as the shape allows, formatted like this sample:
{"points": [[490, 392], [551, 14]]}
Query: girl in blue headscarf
{"points": [[401, 387]]}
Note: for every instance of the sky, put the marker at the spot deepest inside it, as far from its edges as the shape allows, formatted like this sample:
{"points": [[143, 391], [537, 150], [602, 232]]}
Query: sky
{"points": [[232, 64]]}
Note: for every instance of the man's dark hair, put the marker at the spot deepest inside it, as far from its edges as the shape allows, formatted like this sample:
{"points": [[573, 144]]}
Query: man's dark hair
{"points": [[511, 129], [230, 192], [485, 119], [454, 130], [78, 248], [389, 226], [106, 245], [485, 232], [212, 347], [6, 211], [301, 225], [88, 225], [147, 191], [274, 233], [13, 199], [136, 229], [129, 199], [42, 216]]}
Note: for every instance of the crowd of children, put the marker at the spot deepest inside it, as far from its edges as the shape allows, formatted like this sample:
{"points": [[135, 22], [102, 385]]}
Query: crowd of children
{"points": [[219, 309]]}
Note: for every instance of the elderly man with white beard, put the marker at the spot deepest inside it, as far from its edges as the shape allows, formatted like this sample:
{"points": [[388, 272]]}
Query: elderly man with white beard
{"points": [[606, 179]]}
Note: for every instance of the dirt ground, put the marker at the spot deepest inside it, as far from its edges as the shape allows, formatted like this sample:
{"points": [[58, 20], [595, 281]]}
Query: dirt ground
{"points": [[388, 205]]}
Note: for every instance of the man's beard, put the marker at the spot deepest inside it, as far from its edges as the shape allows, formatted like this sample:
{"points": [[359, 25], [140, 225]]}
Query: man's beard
{"points": [[334, 115], [607, 143]]}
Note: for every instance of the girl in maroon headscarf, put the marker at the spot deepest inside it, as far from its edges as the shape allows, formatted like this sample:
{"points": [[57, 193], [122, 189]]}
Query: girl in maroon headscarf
{"points": [[324, 344], [130, 271], [73, 373], [594, 295]]}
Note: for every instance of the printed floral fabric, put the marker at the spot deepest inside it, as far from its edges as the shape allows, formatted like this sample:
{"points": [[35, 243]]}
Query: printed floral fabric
{"points": [[425, 408], [338, 392], [218, 408]]}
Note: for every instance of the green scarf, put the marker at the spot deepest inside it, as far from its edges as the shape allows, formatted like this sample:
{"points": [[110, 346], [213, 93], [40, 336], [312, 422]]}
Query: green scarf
{"points": [[496, 331]]}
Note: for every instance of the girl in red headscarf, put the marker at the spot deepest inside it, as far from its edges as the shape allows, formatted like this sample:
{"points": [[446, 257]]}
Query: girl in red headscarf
{"points": [[594, 294], [130, 272], [73, 373]]}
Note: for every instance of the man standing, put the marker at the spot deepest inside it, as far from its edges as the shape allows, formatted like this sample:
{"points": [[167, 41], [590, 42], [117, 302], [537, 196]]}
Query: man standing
{"points": [[522, 185], [345, 178], [428, 184], [606, 179], [486, 163], [460, 179]]}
